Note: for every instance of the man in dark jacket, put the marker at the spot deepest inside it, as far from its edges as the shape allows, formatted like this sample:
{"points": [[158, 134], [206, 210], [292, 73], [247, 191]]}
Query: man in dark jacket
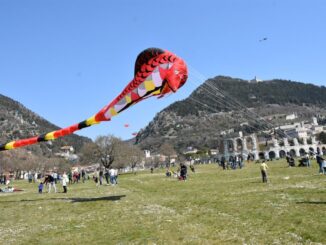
{"points": [[183, 171], [320, 160]]}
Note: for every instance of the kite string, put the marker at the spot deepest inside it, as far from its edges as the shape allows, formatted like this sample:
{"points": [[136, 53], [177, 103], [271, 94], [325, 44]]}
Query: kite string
{"points": [[219, 101], [216, 111], [228, 101]]}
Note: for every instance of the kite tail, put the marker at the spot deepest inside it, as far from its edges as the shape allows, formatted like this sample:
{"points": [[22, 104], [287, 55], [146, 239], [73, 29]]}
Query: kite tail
{"points": [[49, 136]]}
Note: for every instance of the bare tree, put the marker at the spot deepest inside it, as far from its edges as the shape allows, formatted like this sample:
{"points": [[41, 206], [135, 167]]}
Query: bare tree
{"points": [[89, 154], [135, 155], [157, 162], [18, 161], [167, 150], [108, 150], [58, 164]]}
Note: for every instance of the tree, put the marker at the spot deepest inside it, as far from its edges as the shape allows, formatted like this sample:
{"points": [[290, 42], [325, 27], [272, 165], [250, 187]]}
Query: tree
{"points": [[167, 150], [89, 154], [135, 156], [58, 164], [22, 160], [107, 150]]}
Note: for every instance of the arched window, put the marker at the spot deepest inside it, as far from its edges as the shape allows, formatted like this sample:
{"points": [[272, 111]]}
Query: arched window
{"points": [[282, 154], [261, 155], [293, 153], [302, 152], [272, 155]]}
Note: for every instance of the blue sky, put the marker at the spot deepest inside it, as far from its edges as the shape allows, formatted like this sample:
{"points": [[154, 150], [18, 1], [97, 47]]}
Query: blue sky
{"points": [[66, 59]]}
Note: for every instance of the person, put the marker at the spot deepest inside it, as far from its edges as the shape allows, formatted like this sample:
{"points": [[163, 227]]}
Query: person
{"points": [[40, 187], [291, 162], [320, 161], [183, 172], [241, 165], [30, 177], [83, 174], [65, 180], [111, 173], [231, 162], [55, 177], [307, 159], [7, 180], [223, 162], [75, 177], [237, 161], [107, 176], [152, 170], [51, 183], [263, 170], [4, 179], [70, 177], [101, 176], [323, 167], [116, 176]]}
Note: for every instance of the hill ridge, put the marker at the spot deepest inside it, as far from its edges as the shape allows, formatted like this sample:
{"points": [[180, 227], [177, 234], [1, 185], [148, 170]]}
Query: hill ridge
{"points": [[18, 122], [199, 119]]}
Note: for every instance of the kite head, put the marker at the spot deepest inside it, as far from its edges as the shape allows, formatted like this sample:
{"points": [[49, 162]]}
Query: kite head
{"points": [[172, 70], [177, 75], [167, 71]]}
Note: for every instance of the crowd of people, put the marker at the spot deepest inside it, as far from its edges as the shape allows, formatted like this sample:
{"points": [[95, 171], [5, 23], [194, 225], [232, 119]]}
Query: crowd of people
{"points": [[110, 175], [305, 161], [233, 162], [48, 182], [236, 162]]}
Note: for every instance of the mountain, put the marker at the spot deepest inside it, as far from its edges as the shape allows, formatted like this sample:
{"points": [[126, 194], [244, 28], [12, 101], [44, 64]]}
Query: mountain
{"points": [[223, 105], [18, 122]]}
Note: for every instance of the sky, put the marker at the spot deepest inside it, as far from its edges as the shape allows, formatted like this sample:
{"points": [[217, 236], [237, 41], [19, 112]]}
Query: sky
{"points": [[67, 59]]}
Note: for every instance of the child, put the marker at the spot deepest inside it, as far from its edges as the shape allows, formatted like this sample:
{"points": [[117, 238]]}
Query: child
{"points": [[65, 180], [40, 187]]}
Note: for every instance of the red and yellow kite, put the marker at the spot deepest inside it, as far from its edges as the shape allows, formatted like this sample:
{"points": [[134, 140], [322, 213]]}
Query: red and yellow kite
{"points": [[157, 72]]}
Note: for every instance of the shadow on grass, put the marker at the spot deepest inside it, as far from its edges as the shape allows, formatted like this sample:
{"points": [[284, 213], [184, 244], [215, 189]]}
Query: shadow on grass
{"points": [[74, 199], [95, 199], [310, 202]]}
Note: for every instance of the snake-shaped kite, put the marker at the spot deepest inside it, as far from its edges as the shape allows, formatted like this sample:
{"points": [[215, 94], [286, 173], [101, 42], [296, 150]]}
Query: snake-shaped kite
{"points": [[157, 72]]}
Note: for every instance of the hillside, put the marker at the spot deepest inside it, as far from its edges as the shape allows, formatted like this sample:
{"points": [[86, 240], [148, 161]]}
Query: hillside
{"points": [[17, 122], [225, 103]]}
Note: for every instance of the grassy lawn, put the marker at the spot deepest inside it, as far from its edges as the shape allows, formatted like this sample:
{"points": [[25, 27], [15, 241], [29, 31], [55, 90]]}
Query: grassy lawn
{"points": [[212, 207]]}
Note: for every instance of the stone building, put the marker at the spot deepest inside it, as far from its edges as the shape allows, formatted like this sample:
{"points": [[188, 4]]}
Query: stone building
{"points": [[248, 145], [302, 135]]}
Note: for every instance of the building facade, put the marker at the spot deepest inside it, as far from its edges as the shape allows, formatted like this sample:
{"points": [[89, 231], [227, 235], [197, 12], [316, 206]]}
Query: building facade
{"points": [[249, 146]]}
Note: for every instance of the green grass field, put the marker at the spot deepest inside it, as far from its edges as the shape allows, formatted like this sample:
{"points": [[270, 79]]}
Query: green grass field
{"points": [[212, 207]]}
